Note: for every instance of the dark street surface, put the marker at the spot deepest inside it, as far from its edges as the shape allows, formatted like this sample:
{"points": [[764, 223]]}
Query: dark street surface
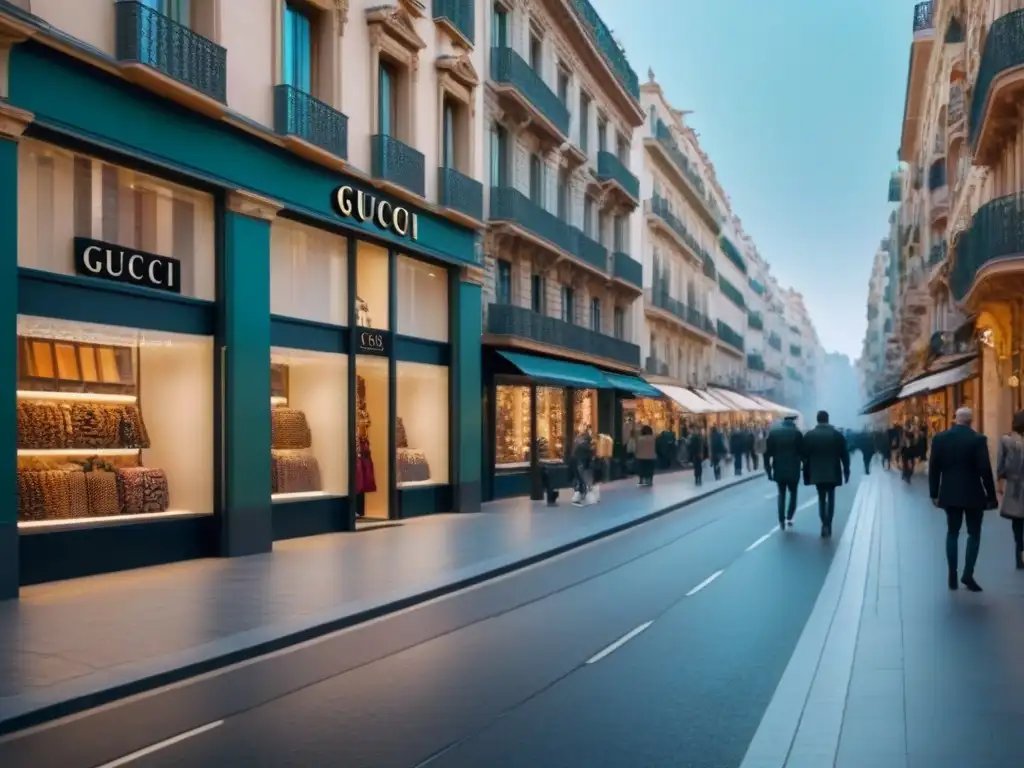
{"points": [[498, 674]]}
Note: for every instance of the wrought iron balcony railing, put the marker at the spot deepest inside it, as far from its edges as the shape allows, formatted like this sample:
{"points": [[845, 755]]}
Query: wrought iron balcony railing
{"points": [[923, 16], [460, 14], [775, 341], [937, 175], [659, 297], [755, 362], [729, 336], [298, 114], [755, 320], [398, 163], [146, 36], [509, 320], [460, 193], [659, 207], [996, 232], [731, 292], [510, 68], [509, 204], [611, 168], [1004, 49], [609, 48], [794, 350], [895, 189], [655, 367], [733, 253], [756, 287], [627, 269], [589, 250]]}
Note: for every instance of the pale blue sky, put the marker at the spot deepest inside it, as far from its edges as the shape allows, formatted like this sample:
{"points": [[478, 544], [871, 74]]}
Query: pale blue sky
{"points": [[799, 104]]}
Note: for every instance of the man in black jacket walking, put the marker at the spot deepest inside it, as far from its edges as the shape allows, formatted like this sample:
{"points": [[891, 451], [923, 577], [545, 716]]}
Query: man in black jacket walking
{"points": [[960, 482], [826, 466], [782, 457], [738, 448]]}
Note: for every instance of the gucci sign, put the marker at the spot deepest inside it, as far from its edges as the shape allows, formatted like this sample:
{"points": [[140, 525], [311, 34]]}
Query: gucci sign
{"points": [[374, 343], [354, 203], [107, 261]]}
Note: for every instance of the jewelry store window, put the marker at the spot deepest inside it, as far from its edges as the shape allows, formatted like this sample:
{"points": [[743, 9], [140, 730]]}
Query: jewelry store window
{"points": [[512, 426], [584, 415], [308, 424], [65, 196], [114, 424], [551, 402]]}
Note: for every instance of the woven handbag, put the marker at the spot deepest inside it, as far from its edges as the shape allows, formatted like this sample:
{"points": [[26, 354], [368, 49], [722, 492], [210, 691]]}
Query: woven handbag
{"points": [[289, 429]]}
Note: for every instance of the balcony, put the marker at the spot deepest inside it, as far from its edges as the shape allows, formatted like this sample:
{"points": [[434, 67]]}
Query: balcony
{"points": [[755, 320], [895, 188], [729, 336], [937, 254], [655, 367], [733, 254], [660, 214], [731, 292], [917, 82], [989, 257], [614, 174], [756, 287], [658, 298], [309, 126], [924, 18], [998, 89], [397, 164], [755, 362], [526, 92], [458, 17], [512, 208], [939, 191], [523, 324], [792, 374], [460, 195], [664, 145], [775, 341], [794, 350], [610, 49], [163, 55], [627, 270]]}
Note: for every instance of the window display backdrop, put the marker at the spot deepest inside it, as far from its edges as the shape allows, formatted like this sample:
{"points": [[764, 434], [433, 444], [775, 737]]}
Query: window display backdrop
{"points": [[512, 426], [372, 418], [309, 433], [308, 273], [112, 423], [63, 195], [422, 425], [422, 300]]}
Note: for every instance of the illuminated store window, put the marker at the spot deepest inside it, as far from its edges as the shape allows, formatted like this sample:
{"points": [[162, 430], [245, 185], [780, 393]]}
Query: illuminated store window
{"points": [[64, 195], [421, 426], [551, 423], [372, 419], [422, 300], [585, 411], [372, 289], [113, 423], [308, 273], [512, 426], [308, 425]]}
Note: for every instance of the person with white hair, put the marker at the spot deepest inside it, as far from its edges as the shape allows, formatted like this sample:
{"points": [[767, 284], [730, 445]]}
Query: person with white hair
{"points": [[960, 482]]}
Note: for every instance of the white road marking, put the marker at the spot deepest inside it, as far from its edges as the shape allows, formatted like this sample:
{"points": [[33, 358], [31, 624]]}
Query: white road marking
{"points": [[618, 643], [807, 504], [704, 583], [162, 745], [763, 539]]}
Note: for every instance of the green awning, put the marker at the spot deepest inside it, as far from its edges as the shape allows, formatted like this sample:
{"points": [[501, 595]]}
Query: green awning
{"points": [[544, 370], [632, 384]]}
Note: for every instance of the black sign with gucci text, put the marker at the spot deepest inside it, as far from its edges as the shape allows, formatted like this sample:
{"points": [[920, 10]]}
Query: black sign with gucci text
{"points": [[107, 261]]}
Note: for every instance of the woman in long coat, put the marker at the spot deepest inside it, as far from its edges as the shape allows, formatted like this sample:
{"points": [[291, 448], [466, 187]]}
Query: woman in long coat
{"points": [[1010, 479]]}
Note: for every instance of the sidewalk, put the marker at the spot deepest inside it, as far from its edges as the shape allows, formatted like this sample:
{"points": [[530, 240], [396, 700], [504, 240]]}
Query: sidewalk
{"points": [[893, 669], [79, 643]]}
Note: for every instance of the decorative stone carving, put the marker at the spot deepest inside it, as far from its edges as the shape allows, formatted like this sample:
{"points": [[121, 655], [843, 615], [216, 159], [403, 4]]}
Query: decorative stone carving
{"points": [[396, 23], [460, 69], [341, 14]]}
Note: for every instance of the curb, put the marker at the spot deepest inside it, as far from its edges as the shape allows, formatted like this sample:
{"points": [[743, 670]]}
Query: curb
{"points": [[48, 713]]}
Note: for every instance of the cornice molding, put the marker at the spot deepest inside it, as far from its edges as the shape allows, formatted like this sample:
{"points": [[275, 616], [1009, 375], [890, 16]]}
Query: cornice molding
{"points": [[252, 205]]}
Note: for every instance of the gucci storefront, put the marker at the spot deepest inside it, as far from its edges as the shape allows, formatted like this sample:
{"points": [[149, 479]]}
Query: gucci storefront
{"points": [[207, 361]]}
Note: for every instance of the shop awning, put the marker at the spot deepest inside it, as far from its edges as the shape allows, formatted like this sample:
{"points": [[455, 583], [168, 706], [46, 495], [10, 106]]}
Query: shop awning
{"points": [[887, 399], [768, 405], [685, 399], [631, 384], [717, 405], [545, 370], [742, 402], [940, 380]]}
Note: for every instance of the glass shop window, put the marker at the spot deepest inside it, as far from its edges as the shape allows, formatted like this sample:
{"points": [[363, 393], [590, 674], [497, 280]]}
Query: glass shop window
{"points": [[422, 300], [421, 426], [308, 273]]}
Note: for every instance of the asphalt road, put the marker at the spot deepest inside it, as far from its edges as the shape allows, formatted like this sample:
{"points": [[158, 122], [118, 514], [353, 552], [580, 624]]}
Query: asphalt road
{"points": [[661, 646]]}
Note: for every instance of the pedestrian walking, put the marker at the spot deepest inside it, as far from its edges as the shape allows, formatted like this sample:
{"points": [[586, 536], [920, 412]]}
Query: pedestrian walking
{"points": [[884, 448], [826, 467], [696, 451], [760, 443], [645, 456], [582, 458], [718, 451], [908, 452], [737, 447], [866, 442], [960, 482], [1010, 484], [783, 457]]}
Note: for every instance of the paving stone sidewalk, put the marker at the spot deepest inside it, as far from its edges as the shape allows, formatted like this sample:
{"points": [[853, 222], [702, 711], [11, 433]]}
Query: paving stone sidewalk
{"points": [[79, 638], [894, 670]]}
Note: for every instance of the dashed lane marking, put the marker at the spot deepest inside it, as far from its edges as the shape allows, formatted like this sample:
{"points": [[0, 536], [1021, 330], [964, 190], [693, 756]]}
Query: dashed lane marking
{"points": [[162, 745], [704, 583], [618, 643]]}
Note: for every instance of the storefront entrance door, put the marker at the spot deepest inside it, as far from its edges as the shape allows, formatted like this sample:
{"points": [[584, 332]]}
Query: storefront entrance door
{"points": [[372, 482]]}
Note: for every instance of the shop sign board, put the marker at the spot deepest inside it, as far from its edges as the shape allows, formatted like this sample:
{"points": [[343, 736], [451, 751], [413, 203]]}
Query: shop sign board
{"points": [[373, 342], [109, 261], [351, 203]]}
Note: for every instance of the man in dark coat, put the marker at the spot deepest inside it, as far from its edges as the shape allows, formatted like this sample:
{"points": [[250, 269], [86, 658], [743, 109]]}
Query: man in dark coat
{"points": [[718, 451], [696, 450], [826, 466], [960, 482], [883, 446], [738, 449], [866, 443], [782, 456]]}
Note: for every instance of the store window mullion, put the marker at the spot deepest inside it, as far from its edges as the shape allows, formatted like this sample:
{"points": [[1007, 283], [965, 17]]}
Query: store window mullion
{"points": [[393, 507], [353, 344]]}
